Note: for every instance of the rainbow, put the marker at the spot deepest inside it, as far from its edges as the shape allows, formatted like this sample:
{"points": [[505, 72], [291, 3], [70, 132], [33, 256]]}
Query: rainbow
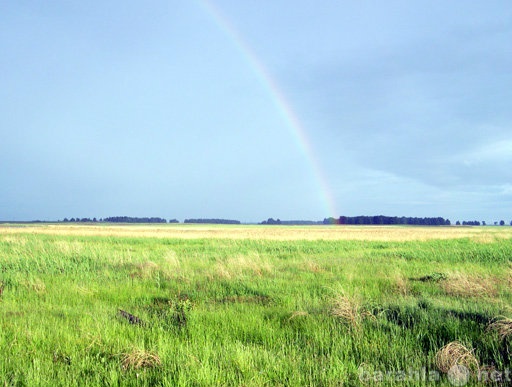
{"points": [[279, 100]]}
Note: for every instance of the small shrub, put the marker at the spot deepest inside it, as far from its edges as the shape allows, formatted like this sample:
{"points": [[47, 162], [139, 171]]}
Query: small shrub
{"points": [[170, 313], [180, 312], [434, 277]]}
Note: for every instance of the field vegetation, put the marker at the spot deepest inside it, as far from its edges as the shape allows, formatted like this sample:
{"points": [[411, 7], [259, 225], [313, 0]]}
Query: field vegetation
{"points": [[198, 305]]}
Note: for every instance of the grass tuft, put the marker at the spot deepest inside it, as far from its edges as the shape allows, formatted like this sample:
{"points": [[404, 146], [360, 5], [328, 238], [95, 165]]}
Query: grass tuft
{"points": [[139, 358], [453, 354], [502, 325], [401, 286], [34, 284], [298, 313], [144, 269], [349, 310], [465, 285]]}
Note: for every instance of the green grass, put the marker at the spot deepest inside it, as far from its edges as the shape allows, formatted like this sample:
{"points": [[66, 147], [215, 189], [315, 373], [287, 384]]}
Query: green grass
{"points": [[245, 312]]}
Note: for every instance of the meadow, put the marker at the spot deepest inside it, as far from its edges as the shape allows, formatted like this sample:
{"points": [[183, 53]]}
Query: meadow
{"points": [[186, 305]]}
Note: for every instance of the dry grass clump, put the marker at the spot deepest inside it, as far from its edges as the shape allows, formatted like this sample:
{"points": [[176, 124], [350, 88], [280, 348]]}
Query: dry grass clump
{"points": [[171, 266], [503, 326], [346, 309], [297, 314], [171, 260], [464, 285], [244, 264], [144, 270], [312, 266], [221, 271], [401, 285], [349, 310], [68, 247], [454, 354], [140, 358], [14, 240], [34, 284]]}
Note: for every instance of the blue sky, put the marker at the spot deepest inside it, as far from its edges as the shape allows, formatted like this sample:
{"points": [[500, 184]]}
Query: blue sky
{"points": [[160, 109]]}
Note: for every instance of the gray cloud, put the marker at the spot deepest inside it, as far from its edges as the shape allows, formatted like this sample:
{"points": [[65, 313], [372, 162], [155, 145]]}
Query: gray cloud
{"points": [[427, 108]]}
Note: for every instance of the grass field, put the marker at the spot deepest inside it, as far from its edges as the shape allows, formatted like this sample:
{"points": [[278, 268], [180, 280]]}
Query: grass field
{"points": [[203, 305]]}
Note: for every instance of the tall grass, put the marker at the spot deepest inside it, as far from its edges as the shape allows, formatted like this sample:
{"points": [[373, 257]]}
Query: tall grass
{"points": [[235, 311]]}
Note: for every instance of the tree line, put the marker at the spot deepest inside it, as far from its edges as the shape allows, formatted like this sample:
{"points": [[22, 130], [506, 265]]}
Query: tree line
{"points": [[272, 221], [365, 220], [121, 219], [380, 220], [212, 221], [390, 220], [342, 220], [133, 219]]}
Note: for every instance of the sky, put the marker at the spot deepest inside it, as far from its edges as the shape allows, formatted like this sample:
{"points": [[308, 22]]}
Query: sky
{"points": [[255, 109]]}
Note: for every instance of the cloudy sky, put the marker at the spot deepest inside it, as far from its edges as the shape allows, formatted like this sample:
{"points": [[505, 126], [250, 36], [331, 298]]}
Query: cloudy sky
{"points": [[253, 109]]}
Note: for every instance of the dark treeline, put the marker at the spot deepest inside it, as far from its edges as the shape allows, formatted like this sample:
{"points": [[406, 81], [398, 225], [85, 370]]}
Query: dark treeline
{"points": [[366, 220], [389, 220], [88, 220], [130, 219], [469, 223], [342, 220], [291, 222], [122, 219], [212, 221]]}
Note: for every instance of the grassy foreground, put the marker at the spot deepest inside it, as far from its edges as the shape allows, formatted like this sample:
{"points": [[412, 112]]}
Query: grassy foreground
{"points": [[289, 306]]}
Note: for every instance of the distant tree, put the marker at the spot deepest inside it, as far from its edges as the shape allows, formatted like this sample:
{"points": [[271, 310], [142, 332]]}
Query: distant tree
{"points": [[483, 223], [272, 221], [502, 222], [94, 220], [332, 220], [457, 223], [128, 219]]}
